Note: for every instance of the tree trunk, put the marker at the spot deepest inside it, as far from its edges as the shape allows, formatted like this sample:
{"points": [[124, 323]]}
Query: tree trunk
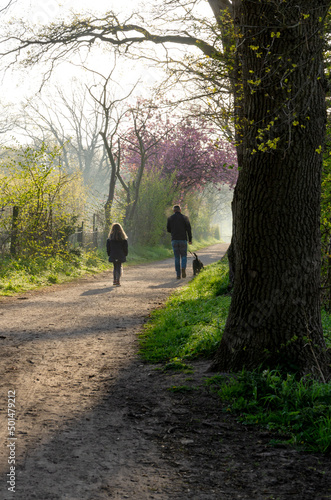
{"points": [[274, 318], [112, 183], [135, 198]]}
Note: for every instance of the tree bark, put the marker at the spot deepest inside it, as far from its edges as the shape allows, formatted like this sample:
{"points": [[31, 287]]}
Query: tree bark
{"points": [[274, 318], [112, 182]]}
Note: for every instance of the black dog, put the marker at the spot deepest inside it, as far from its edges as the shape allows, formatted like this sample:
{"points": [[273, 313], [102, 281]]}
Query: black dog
{"points": [[197, 264]]}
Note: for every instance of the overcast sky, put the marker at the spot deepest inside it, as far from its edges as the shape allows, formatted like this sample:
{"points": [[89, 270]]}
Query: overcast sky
{"points": [[44, 11], [22, 84], [19, 85]]}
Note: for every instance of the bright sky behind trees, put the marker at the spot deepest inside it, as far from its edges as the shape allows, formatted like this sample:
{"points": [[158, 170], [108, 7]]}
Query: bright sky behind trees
{"points": [[19, 84]]}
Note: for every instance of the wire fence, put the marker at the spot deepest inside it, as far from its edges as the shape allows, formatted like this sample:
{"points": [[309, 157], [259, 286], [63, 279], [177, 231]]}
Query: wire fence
{"points": [[89, 240], [84, 238]]}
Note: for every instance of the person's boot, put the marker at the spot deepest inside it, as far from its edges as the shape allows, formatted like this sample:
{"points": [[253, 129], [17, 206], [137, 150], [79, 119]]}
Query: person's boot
{"points": [[183, 273]]}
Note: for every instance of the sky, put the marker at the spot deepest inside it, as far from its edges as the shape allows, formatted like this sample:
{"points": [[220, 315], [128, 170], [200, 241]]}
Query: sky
{"points": [[44, 11], [19, 85], [22, 84]]}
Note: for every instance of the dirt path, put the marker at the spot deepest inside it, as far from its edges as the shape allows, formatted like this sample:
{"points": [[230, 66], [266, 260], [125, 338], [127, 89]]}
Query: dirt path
{"points": [[93, 422]]}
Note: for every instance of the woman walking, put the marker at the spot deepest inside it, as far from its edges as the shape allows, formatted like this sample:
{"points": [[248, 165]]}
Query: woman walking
{"points": [[117, 250]]}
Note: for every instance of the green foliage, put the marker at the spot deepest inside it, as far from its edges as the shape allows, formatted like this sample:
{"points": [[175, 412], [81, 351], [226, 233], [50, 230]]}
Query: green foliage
{"points": [[40, 202], [156, 197], [25, 273], [156, 194], [326, 323], [191, 323], [199, 206], [299, 410]]}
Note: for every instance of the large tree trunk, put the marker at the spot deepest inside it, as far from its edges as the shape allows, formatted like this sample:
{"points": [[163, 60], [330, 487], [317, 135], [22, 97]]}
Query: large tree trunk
{"points": [[274, 317]]}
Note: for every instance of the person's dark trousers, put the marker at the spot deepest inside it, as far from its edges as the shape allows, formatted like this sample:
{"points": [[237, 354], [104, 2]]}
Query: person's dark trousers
{"points": [[180, 252], [117, 271]]}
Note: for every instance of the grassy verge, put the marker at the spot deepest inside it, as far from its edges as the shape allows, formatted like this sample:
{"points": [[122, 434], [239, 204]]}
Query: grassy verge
{"points": [[190, 326], [19, 275], [191, 323], [23, 274]]}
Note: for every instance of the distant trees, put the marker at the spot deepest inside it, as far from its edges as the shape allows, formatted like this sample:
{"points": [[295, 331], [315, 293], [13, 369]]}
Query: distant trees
{"points": [[185, 150], [117, 141], [156, 195], [197, 155], [113, 114], [72, 122]]}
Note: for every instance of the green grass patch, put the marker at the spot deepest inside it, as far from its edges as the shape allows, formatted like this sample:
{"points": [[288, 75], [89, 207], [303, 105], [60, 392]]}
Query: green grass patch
{"points": [[182, 388], [192, 321], [177, 365], [298, 410], [18, 275]]}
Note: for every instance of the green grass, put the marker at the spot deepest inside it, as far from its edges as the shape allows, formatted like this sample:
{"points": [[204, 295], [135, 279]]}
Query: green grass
{"points": [[191, 323], [298, 410], [22, 274]]}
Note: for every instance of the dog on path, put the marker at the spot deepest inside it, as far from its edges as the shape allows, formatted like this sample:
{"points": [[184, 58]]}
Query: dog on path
{"points": [[196, 264]]}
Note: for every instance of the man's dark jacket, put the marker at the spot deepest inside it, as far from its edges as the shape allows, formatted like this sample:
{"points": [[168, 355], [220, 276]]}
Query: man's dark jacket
{"points": [[179, 226]]}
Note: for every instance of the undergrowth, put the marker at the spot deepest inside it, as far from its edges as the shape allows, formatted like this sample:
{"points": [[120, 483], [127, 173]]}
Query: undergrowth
{"points": [[21, 274], [298, 410]]}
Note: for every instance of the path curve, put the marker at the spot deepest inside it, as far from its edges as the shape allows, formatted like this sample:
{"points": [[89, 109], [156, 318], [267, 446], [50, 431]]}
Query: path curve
{"points": [[93, 422], [70, 354]]}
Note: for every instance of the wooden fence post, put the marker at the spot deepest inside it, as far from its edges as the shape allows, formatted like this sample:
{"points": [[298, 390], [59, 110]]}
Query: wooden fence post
{"points": [[95, 232], [13, 238], [80, 235]]}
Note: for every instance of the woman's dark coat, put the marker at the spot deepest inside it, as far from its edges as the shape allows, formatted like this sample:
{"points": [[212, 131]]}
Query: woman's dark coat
{"points": [[117, 250]]}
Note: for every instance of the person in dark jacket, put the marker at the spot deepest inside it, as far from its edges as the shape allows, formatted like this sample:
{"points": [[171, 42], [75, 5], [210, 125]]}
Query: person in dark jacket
{"points": [[180, 228], [117, 250]]}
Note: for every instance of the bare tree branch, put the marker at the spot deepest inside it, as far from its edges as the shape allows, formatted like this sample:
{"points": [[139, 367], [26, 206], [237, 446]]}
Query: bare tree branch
{"points": [[10, 2]]}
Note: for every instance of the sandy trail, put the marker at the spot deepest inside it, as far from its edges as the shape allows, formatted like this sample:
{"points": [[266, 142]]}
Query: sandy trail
{"points": [[70, 354]]}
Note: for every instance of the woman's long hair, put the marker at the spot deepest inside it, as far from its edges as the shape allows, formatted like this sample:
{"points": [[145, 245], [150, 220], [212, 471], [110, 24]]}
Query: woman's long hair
{"points": [[117, 232]]}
